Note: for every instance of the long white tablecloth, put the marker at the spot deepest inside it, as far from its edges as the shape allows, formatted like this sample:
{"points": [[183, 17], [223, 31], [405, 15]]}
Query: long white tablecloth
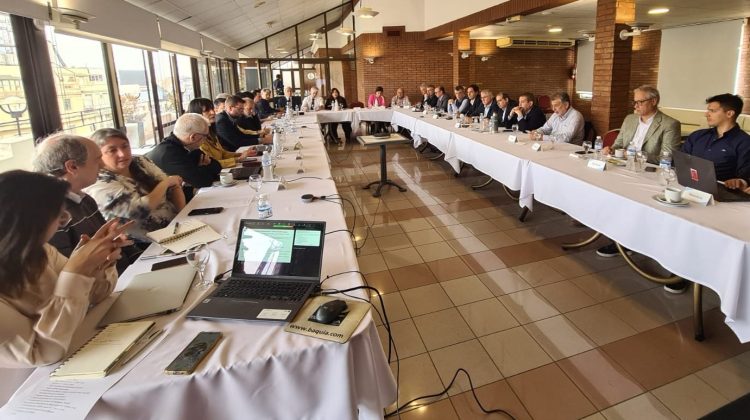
{"points": [[258, 371]]}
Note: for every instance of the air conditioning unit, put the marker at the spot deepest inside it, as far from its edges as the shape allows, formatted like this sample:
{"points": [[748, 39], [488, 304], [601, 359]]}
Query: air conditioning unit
{"points": [[539, 44]]}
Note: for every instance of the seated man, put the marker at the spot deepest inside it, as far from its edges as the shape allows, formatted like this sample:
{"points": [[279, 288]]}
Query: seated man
{"points": [[431, 99], [506, 118], [288, 99], [566, 123], [488, 107], [461, 103], [264, 105], [529, 116], [313, 102], [474, 101], [423, 91], [442, 99], [400, 100], [231, 135], [180, 154], [648, 128], [77, 160]]}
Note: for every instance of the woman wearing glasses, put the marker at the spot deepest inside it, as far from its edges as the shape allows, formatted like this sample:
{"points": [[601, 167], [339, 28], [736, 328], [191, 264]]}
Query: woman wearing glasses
{"points": [[133, 187], [43, 295]]}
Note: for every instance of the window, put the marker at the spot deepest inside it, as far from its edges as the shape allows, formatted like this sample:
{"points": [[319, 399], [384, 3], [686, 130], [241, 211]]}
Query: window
{"points": [[225, 70], [203, 79], [80, 82], [185, 71], [135, 94], [165, 87], [16, 140], [216, 87]]}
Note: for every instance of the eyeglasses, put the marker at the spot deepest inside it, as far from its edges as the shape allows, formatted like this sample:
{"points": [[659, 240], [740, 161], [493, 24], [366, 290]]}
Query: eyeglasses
{"points": [[640, 102], [64, 218]]}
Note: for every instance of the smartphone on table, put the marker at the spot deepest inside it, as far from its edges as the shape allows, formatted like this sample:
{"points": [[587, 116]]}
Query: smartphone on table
{"points": [[186, 362], [204, 211]]}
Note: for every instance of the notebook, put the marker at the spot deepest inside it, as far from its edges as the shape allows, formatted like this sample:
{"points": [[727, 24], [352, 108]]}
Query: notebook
{"points": [[187, 234], [100, 355], [276, 267]]}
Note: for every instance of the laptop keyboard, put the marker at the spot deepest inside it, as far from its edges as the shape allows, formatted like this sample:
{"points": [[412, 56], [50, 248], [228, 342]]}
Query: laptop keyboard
{"points": [[263, 290]]}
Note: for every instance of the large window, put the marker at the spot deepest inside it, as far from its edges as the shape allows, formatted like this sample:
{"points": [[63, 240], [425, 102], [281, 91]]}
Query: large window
{"points": [[185, 71], [165, 87], [16, 140], [203, 79], [135, 94], [216, 87], [226, 69], [81, 83]]}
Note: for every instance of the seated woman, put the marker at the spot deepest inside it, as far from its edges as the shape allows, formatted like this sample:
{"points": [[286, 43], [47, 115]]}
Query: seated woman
{"points": [[211, 145], [133, 187], [43, 295], [336, 101], [400, 100], [377, 98]]}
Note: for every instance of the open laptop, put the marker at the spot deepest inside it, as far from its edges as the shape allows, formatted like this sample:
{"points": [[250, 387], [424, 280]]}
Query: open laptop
{"points": [[700, 174], [152, 293], [276, 267]]}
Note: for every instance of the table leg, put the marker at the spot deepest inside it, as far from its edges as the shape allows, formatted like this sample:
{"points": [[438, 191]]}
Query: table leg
{"points": [[482, 185], [383, 176], [582, 243], [524, 212], [698, 312]]}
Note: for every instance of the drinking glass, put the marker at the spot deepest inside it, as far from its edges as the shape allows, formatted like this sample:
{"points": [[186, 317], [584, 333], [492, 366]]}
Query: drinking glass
{"points": [[642, 157], [255, 182], [667, 176], [197, 256], [514, 127], [586, 147]]}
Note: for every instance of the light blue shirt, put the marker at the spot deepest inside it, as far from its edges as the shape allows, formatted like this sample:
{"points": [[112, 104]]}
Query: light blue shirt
{"points": [[568, 128]]}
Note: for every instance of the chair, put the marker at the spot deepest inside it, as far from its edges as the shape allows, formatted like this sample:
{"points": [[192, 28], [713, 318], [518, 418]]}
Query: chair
{"points": [[610, 137], [545, 103], [589, 132], [356, 105]]}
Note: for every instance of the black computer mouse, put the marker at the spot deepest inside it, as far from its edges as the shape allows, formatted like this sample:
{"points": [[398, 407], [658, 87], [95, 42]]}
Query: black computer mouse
{"points": [[329, 312]]}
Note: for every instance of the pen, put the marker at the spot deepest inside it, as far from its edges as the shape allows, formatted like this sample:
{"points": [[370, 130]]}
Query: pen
{"points": [[176, 226], [139, 346]]}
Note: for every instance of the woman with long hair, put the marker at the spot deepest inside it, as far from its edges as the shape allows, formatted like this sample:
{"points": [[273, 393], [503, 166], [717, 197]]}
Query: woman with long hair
{"points": [[211, 146], [43, 295], [336, 101]]}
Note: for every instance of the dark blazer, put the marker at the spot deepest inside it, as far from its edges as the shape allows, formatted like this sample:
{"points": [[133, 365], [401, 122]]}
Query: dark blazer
{"points": [[281, 102], [264, 109], [475, 107], [505, 118], [230, 137], [172, 157], [341, 100], [442, 103], [494, 109], [431, 100], [534, 119]]}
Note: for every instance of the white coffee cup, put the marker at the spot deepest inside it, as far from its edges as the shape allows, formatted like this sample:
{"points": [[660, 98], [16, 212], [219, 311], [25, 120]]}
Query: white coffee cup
{"points": [[673, 195], [226, 178], [619, 153]]}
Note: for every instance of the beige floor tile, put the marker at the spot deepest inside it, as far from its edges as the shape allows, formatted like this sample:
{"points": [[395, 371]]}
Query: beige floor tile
{"points": [[524, 234], [405, 337], [565, 296], [600, 325], [395, 307], [506, 222], [514, 351], [449, 268], [411, 276], [436, 251], [413, 225], [548, 394], [423, 379], [468, 216], [466, 290], [371, 263], [453, 232], [440, 410], [644, 406], [491, 212], [386, 229], [393, 242], [442, 328], [503, 281], [595, 416], [487, 316], [689, 397], [559, 337], [537, 273], [568, 266], [482, 262], [423, 237], [612, 284], [472, 357], [399, 205], [528, 306], [496, 240], [731, 378], [402, 258], [651, 308], [426, 299], [440, 220], [468, 245], [480, 227]]}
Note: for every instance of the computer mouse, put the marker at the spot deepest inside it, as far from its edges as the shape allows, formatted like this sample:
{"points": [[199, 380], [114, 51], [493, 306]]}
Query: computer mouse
{"points": [[329, 312]]}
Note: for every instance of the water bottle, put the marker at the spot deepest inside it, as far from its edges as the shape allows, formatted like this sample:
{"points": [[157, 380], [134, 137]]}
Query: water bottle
{"points": [[264, 206], [267, 166], [493, 123], [335, 105], [276, 143], [631, 156], [598, 146], [665, 161]]}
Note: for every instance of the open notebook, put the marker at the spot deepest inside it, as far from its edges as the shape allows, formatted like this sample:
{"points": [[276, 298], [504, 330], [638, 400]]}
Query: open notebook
{"points": [[188, 233], [101, 354]]}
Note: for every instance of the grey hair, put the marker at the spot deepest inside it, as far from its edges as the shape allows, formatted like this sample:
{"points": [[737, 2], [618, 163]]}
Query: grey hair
{"points": [[487, 92], [561, 96], [55, 150], [222, 96], [264, 91], [650, 91], [101, 135], [190, 123]]}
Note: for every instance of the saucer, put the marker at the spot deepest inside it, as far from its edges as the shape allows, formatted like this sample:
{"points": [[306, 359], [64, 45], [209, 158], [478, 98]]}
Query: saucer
{"points": [[661, 200], [219, 184]]}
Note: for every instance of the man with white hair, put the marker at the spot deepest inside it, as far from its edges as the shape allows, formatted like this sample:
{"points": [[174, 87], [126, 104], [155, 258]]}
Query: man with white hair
{"points": [[313, 102], [180, 154]]}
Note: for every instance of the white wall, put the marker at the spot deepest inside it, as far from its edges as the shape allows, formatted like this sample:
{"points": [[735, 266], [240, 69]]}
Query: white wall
{"points": [[438, 12], [696, 62], [585, 67]]}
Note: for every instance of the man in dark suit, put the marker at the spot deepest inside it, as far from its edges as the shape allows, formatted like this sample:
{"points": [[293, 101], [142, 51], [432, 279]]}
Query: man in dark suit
{"points": [[505, 118], [431, 99], [180, 154], [472, 92], [488, 107], [530, 117], [288, 99], [442, 99], [230, 135]]}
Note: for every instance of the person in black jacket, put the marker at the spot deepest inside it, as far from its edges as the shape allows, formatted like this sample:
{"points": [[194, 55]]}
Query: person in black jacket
{"points": [[530, 117], [505, 117], [487, 108], [264, 105], [180, 154], [431, 99], [288, 99], [231, 128], [475, 102], [335, 98]]}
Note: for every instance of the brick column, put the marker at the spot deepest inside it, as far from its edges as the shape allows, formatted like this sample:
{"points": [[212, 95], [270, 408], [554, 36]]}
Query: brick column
{"points": [[612, 62], [461, 42], [743, 83]]}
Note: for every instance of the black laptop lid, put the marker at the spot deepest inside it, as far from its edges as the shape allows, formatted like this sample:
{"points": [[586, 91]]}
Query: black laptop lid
{"points": [[279, 249], [695, 172]]}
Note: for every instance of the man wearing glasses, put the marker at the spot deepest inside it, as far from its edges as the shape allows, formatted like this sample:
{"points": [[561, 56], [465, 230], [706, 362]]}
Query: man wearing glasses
{"points": [[648, 128], [231, 135]]}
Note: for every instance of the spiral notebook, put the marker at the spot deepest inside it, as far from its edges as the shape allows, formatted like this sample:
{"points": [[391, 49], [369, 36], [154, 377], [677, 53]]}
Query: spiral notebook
{"points": [[101, 354], [188, 233]]}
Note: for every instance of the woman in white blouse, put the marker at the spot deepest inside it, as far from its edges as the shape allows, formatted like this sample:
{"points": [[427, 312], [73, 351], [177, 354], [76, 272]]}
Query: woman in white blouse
{"points": [[43, 295]]}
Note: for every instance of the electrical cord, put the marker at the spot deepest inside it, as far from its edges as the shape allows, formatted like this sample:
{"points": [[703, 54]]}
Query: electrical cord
{"points": [[303, 177], [220, 275]]}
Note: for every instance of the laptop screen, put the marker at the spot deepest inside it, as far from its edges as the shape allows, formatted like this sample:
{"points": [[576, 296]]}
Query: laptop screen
{"points": [[279, 248]]}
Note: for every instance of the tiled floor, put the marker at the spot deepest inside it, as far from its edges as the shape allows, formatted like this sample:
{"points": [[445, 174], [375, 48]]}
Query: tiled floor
{"points": [[544, 333]]}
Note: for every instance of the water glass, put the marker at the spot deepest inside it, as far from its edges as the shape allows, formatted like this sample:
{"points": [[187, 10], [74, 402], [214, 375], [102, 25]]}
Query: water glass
{"points": [[667, 177], [197, 256], [255, 182], [514, 127], [641, 158], [586, 147]]}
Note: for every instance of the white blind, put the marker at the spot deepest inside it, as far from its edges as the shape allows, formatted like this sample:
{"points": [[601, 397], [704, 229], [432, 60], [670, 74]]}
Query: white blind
{"points": [[585, 67]]}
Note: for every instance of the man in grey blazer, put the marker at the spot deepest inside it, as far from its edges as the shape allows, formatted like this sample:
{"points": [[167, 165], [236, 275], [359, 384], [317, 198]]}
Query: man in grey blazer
{"points": [[648, 128]]}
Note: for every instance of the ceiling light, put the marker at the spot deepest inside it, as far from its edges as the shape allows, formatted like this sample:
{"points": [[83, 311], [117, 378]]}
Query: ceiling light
{"points": [[345, 31], [366, 13], [658, 11], [554, 30]]}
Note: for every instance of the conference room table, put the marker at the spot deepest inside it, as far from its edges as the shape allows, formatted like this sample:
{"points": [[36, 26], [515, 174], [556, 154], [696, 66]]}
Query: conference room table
{"points": [[257, 371], [709, 245]]}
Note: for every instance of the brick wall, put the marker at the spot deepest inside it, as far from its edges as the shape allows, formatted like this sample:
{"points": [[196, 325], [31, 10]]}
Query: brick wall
{"points": [[644, 65], [744, 66]]}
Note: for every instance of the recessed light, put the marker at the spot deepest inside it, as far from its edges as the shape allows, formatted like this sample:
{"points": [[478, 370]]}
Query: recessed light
{"points": [[554, 30], [546, 13], [658, 11]]}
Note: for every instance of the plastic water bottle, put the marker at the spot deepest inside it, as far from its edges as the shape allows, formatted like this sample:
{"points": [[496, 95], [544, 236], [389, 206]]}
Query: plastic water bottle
{"points": [[493, 123], [276, 143], [631, 156], [264, 206], [665, 161], [267, 166], [598, 146]]}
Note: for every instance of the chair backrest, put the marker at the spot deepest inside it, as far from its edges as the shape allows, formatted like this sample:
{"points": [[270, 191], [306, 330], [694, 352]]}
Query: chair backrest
{"points": [[589, 132], [357, 105], [545, 103], [610, 137]]}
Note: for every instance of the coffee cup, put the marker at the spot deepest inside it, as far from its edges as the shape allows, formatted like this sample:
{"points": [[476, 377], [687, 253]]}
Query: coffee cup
{"points": [[619, 153], [226, 178], [673, 195]]}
